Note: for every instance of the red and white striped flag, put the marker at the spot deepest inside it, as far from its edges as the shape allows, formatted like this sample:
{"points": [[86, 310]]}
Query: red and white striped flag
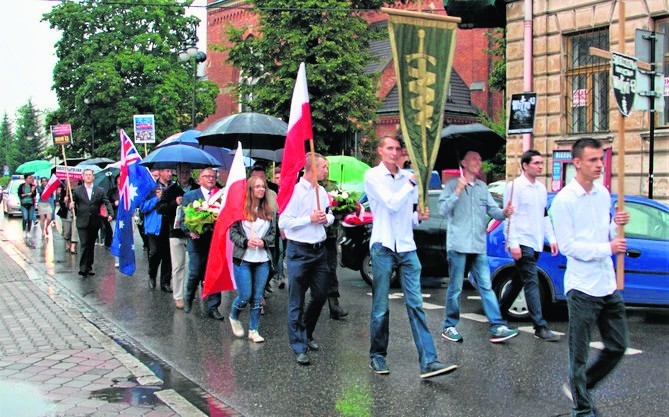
{"points": [[299, 131], [219, 274], [51, 186]]}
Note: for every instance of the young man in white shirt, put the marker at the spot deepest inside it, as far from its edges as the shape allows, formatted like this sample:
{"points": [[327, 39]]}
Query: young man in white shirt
{"points": [[392, 195], [525, 232], [586, 236]]}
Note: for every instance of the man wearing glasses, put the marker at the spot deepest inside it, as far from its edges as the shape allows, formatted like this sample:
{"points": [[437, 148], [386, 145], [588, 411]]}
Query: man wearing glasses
{"points": [[198, 247]]}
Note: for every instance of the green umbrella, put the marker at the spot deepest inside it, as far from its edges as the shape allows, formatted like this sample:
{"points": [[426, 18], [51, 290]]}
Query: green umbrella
{"points": [[33, 166], [44, 173], [348, 172]]}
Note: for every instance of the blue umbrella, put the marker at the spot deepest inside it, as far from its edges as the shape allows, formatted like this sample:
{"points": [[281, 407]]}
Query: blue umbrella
{"points": [[173, 155], [189, 138]]}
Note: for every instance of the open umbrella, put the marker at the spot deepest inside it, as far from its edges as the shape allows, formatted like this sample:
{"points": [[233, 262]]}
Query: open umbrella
{"points": [[456, 140], [260, 134], [33, 166], [348, 172], [173, 155], [189, 138], [99, 162], [43, 173]]}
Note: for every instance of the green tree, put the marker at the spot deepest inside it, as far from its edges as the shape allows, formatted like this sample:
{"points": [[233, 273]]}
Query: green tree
{"points": [[333, 40], [497, 77], [6, 142], [29, 134], [119, 59]]}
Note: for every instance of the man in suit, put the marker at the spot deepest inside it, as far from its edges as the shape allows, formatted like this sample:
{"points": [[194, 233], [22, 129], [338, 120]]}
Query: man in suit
{"points": [[198, 247], [86, 202]]}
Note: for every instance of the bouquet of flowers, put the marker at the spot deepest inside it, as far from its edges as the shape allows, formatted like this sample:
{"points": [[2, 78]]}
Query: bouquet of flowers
{"points": [[342, 203], [200, 216]]}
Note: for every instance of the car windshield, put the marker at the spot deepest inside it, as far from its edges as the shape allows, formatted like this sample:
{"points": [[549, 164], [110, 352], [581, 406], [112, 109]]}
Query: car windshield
{"points": [[15, 186]]}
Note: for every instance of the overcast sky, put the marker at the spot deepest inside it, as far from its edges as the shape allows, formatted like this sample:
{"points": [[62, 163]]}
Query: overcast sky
{"points": [[28, 57]]}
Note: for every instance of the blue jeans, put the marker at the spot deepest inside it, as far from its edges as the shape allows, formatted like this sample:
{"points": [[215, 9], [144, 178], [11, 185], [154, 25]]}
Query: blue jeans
{"points": [[586, 312], [384, 261], [250, 278], [197, 264], [525, 278], [307, 270], [28, 214], [481, 271]]}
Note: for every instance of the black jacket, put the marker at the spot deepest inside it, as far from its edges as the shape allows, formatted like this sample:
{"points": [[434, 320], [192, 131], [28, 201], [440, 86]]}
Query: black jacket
{"points": [[167, 206]]}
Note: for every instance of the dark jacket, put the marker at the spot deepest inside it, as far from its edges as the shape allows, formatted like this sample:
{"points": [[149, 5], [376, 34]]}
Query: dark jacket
{"points": [[63, 203], [240, 240], [167, 206], [114, 196], [24, 189], [88, 211]]}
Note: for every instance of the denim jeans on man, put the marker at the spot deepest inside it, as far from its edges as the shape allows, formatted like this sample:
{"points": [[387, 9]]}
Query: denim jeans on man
{"points": [[250, 278], [527, 279], [586, 312], [481, 271], [28, 214], [307, 269], [384, 262], [197, 264]]}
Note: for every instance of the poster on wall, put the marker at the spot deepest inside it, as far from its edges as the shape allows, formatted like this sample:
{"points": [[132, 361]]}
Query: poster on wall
{"points": [[523, 108], [145, 128]]}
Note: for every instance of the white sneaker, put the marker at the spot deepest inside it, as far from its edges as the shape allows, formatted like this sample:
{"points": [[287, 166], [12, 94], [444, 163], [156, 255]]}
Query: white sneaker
{"points": [[237, 328], [255, 337]]}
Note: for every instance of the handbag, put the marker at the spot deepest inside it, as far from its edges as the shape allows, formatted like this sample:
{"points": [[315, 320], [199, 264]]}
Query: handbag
{"points": [[103, 211]]}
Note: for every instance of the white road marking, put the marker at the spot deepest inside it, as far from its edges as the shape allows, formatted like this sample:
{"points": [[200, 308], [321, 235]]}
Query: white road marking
{"points": [[476, 317], [473, 297], [629, 351], [530, 329]]}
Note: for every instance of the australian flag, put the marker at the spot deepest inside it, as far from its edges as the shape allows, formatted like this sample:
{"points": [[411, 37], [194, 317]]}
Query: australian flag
{"points": [[135, 182]]}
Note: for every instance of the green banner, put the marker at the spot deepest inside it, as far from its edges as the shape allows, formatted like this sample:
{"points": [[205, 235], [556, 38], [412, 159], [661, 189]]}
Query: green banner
{"points": [[423, 46]]}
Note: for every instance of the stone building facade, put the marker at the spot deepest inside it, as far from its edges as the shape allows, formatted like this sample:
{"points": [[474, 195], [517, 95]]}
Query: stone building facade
{"points": [[575, 99]]}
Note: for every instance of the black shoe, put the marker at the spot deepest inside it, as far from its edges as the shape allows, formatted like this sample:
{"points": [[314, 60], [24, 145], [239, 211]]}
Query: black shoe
{"points": [[187, 306], [91, 273], [338, 313], [544, 333], [378, 365], [215, 314], [83, 274], [302, 358], [152, 283], [436, 368], [166, 288], [312, 345]]}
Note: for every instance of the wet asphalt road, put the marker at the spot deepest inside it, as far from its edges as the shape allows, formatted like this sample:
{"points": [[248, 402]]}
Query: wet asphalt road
{"points": [[519, 378]]}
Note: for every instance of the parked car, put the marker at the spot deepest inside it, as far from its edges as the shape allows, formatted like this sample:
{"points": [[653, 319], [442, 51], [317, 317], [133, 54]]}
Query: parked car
{"points": [[646, 262], [10, 197], [430, 237]]}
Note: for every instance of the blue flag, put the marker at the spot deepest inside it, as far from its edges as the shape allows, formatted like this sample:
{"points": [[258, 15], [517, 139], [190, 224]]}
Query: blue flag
{"points": [[135, 182]]}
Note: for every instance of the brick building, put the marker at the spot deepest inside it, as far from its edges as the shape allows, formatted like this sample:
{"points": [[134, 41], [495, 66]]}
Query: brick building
{"points": [[469, 94], [573, 88]]}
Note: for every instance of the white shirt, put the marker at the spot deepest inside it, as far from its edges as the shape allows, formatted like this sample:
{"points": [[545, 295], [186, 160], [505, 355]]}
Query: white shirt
{"points": [[89, 191], [295, 221], [205, 193], [583, 226], [391, 199], [528, 225], [257, 229]]}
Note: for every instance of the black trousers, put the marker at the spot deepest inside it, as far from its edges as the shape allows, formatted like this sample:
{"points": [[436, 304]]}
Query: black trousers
{"points": [[159, 255], [87, 237], [333, 281]]}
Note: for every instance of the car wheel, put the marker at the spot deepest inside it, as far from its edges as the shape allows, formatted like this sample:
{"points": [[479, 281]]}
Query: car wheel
{"points": [[518, 309], [368, 277]]}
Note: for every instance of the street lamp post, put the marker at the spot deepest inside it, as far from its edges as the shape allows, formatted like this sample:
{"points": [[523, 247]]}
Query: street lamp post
{"points": [[191, 51], [88, 103]]}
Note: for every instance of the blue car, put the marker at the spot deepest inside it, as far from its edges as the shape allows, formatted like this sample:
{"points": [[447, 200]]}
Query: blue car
{"points": [[646, 261]]}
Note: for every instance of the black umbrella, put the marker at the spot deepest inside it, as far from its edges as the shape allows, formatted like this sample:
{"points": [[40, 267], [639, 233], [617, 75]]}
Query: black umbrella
{"points": [[101, 162], [258, 133], [457, 140]]}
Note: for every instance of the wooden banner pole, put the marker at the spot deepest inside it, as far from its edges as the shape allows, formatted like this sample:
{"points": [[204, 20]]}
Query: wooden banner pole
{"points": [[67, 184], [620, 258], [314, 172]]}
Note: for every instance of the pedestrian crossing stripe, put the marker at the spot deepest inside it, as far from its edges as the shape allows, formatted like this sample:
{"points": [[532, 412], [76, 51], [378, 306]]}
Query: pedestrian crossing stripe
{"points": [[426, 306], [473, 297], [476, 317], [628, 351]]}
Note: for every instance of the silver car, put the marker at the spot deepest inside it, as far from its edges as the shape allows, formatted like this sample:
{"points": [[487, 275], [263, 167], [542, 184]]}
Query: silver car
{"points": [[10, 198]]}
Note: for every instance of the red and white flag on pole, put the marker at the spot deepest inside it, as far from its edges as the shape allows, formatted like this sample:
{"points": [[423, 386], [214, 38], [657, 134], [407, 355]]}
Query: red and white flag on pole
{"points": [[51, 186], [219, 274], [299, 131]]}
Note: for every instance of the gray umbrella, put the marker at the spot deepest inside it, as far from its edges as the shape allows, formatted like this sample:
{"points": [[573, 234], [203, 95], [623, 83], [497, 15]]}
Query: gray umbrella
{"points": [[260, 134]]}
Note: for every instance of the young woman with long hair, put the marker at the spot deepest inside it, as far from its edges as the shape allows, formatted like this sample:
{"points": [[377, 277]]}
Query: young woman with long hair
{"points": [[253, 239]]}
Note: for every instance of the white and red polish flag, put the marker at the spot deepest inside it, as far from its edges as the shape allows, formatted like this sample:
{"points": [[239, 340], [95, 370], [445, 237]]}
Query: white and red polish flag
{"points": [[51, 186], [299, 131], [219, 274]]}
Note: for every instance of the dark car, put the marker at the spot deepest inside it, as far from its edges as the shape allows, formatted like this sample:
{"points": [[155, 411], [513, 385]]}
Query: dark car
{"points": [[646, 261], [430, 237]]}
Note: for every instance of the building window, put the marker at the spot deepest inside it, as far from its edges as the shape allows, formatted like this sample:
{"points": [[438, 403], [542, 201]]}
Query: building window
{"points": [[662, 27], [587, 83]]}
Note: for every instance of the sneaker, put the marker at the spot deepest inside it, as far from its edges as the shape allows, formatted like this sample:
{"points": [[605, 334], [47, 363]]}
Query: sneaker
{"points": [[451, 333], [436, 368], [237, 328], [544, 333], [502, 333], [378, 365], [255, 337], [567, 392]]}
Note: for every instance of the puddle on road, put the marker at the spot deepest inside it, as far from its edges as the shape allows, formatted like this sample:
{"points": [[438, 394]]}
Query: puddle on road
{"points": [[130, 395]]}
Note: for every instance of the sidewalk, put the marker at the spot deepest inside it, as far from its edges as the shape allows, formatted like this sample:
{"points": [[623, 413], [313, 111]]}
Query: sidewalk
{"points": [[54, 362]]}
